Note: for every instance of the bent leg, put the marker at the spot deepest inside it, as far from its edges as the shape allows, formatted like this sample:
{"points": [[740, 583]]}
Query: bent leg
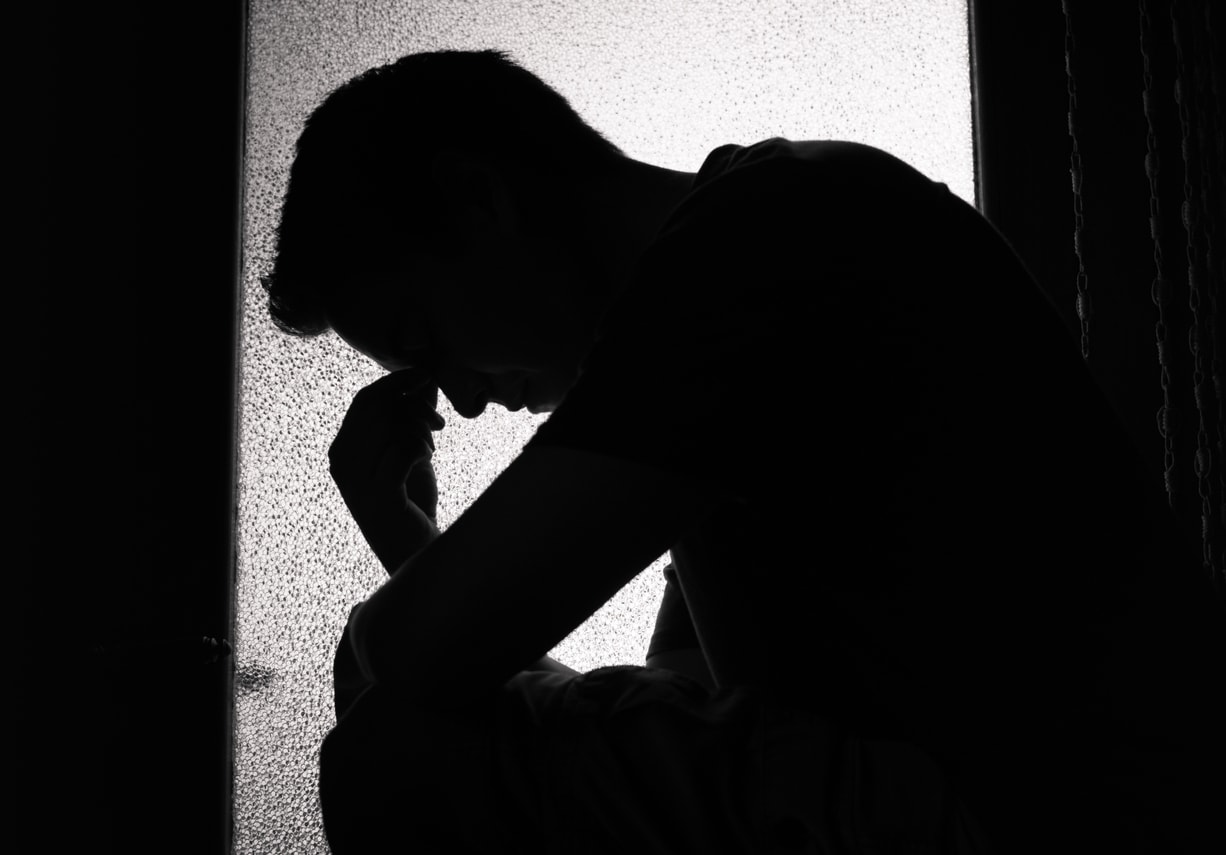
{"points": [[622, 759]]}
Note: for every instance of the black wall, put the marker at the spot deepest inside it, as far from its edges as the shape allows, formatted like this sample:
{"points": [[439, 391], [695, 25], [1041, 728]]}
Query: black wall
{"points": [[135, 134]]}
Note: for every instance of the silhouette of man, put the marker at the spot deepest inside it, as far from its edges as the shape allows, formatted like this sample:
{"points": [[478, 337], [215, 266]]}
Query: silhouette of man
{"points": [[910, 544]]}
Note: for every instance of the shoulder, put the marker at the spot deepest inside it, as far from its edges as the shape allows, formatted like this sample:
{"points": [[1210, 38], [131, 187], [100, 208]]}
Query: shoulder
{"points": [[776, 198], [780, 153], [793, 170]]}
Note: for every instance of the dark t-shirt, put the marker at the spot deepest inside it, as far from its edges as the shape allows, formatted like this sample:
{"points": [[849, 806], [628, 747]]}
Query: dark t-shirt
{"points": [[935, 528]]}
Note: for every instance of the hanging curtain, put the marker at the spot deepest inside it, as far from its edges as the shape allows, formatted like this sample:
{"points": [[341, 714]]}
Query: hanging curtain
{"points": [[1146, 160]]}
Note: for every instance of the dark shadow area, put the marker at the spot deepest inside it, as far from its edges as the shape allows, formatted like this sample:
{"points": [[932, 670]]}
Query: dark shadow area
{"points": [[125, 744], [1023, 152]]}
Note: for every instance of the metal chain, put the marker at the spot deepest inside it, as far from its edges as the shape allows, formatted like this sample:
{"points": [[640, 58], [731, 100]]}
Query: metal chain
{"points": [[1191, 215], [1084, 309], [1216, 260], [1209, 133], [1160, 290]]}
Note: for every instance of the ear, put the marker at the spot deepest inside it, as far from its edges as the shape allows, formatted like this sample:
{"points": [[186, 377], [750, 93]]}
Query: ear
{"points": [[474, 191]]}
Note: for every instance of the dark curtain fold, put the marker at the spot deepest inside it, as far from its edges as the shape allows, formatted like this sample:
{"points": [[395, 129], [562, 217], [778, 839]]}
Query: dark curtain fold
{"points": [[1099, 145]]}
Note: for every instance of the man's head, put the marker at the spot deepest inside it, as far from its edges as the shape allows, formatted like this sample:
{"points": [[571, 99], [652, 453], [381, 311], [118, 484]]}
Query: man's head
{"points": [[432, 219]]}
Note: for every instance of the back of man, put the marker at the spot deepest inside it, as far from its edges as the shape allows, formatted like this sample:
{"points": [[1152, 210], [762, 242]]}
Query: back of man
{"points": [[935, 531], [937, 565]]}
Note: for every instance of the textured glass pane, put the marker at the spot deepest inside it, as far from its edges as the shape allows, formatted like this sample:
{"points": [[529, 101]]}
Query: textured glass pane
{"points": [[667, 81]]}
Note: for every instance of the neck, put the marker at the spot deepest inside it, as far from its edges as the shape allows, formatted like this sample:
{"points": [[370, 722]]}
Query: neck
{"points": [[614, 219], [626, 211]]}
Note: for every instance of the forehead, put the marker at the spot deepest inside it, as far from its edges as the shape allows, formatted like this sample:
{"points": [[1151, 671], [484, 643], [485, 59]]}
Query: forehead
{"points": [[376, 318]]}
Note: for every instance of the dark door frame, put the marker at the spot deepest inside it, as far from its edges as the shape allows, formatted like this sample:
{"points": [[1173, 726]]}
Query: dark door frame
{"points": [[135, 165]]}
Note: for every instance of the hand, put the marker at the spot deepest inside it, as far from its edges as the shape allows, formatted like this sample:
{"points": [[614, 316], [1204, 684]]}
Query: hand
{"points": [[380, 462]]}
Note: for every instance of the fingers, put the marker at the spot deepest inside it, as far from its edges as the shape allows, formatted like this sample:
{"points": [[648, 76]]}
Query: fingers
{"points": [[408, 417], [391, 470], [411, 384], [387, 430], [402, 396], [421, 488]]}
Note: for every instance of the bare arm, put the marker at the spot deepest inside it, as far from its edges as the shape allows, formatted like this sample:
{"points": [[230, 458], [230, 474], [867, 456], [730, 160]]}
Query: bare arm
{"points": [[501, 586], [674, 643], [546, 663]]}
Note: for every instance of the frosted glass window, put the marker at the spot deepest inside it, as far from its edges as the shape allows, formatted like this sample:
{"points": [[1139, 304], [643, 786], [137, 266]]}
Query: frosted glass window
{"points": [[667, 82]]}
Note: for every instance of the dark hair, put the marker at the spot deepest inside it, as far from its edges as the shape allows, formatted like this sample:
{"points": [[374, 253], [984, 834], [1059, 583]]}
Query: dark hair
{"points": [[360, 180]]}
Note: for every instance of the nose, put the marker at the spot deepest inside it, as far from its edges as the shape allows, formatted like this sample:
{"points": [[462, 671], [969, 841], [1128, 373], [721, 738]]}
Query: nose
{"points": [[466, 392], [508, 390], [469, 408]]}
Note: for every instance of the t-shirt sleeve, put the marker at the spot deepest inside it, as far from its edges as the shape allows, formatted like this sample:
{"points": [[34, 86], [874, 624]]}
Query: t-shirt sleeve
{"points": [[726, 320], [768, 325]]}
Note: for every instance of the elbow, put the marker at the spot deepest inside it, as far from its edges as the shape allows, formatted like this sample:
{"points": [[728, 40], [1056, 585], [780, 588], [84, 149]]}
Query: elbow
{"points": [[362, 638], [384, 648]]}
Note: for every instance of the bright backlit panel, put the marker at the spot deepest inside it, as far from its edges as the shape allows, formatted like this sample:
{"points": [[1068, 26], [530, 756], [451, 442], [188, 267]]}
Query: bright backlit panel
{"points": [[666, 81]]}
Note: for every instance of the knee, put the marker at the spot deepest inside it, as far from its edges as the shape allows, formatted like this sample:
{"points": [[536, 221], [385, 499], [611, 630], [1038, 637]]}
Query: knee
{"points": [[367, 779]]}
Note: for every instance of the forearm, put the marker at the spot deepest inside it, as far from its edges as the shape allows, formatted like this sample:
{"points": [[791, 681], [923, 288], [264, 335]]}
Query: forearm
{"points": [[674, 643], [360, 663], [691, 662], [499, 585], [412, 543], [373, 610], [545, 663], [674, 629]]}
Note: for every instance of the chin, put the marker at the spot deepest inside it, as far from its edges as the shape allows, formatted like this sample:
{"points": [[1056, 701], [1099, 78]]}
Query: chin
{"points": [[537, 400]]}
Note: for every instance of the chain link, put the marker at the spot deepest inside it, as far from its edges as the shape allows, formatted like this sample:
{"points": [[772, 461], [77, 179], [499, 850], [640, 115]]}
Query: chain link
{"points": [[1215, 261], [1083, 305], [1193, 148], [1210, 130], [1160, 290]]}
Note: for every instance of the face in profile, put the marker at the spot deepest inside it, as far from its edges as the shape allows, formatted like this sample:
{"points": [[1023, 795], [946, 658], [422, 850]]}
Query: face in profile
{"points": [[494, 322]]}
